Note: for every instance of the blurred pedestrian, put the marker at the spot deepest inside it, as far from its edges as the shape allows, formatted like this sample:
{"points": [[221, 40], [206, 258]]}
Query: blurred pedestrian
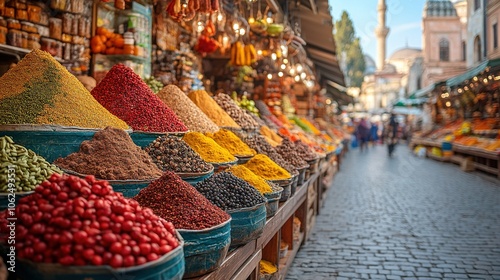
{"points": [[374, 133], [363, 133], [392, 134]]}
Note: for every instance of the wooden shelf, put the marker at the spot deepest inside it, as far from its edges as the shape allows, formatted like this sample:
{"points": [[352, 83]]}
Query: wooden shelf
{"points": [[286, 262], [242, 261]]}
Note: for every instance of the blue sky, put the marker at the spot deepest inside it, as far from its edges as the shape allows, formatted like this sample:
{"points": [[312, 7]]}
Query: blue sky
{"points": [[404, 18]]}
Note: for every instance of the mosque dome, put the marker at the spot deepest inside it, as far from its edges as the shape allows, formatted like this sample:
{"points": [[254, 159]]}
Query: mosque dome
{"points": [[405, 54], [439, 8]]}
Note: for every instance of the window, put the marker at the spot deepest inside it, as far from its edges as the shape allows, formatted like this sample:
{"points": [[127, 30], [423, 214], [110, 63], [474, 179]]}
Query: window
{"points": [[495, 36], [477, 5], [478, 56], [444, 50], [464, 51]]}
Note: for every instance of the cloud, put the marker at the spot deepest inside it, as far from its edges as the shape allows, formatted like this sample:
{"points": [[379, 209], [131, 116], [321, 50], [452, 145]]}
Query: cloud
{"points": [[406, 26]]}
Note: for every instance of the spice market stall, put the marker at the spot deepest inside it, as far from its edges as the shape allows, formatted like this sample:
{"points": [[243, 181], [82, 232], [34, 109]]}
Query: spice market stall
{"points": [[232, 175]]}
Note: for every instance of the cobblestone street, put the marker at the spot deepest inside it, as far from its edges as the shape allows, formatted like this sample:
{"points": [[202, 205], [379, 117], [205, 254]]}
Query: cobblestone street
{"points": [[404, 218]]}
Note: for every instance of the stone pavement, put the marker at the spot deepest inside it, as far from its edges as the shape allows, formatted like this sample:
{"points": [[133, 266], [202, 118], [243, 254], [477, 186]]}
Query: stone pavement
{"points": [[404, 218]]}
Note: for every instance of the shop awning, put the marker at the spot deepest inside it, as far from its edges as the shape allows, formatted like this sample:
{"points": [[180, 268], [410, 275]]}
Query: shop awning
{"points": [[423, 91], [338, 95], [408, 102], [317, 32], [471, 73]]}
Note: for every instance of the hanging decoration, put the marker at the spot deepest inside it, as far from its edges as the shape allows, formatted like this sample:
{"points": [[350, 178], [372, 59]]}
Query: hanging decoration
{"points": [[185, 10]]}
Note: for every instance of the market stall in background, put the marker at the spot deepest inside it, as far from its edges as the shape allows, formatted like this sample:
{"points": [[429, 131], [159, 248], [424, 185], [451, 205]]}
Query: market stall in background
{"points": [[219, 103], [465, 113]]}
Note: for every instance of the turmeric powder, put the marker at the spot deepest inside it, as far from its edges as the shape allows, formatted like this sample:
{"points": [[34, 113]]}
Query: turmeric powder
{"points": [[263, 166], [231, 142], [266, 267], [267, 132], [207, 148], [256, 181], [208, 105]]}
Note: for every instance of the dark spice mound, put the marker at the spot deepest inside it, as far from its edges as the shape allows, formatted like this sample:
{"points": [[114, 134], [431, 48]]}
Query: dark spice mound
{"points": [[172, 154], [304, 151], [229, 192], [288, 151], [125, 95], [111, 155], [259, 144], [180, 203]]}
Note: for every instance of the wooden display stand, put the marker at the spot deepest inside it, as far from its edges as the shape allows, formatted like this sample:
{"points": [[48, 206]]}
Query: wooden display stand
{"points": [[243, 262]]}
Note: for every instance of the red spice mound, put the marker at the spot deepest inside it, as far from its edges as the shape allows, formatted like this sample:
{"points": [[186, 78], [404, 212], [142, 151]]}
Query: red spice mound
{"points": [[125, 95], [111, 155], [178, 202]]}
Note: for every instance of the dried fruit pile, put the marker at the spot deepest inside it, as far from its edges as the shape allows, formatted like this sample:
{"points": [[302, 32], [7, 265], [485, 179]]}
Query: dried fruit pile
{"points": [[125, 95], [186, 110], [240, 116], [46, 93], [111, 155], [180, 203], [29, 169], [212, 109], [172, 154], [74, 221], [229, 192]]}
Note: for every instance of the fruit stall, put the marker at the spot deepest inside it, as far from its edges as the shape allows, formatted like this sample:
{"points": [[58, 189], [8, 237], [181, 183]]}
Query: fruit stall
{"points": [[466, 114], [183, 154]]}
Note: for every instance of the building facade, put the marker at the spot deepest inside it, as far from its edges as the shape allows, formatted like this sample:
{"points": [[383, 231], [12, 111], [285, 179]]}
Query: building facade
{"points": [[443, 41], [493, 29], [476, 40]]}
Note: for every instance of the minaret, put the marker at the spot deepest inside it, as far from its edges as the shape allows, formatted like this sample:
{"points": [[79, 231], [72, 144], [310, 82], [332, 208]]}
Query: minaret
{"points": [[381, 32]]}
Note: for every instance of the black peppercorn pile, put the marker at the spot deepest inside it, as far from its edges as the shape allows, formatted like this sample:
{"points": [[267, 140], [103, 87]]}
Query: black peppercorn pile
{"points": [[229, 192], [289, 152], [259, 144], [172, 154]]}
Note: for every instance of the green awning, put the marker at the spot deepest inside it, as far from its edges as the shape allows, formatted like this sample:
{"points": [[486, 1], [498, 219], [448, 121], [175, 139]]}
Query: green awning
{"points": [[423, 92], [471, 73]]}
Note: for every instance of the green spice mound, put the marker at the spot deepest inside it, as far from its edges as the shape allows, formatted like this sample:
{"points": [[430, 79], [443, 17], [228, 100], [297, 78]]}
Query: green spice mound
{"points": [[39, 90]]}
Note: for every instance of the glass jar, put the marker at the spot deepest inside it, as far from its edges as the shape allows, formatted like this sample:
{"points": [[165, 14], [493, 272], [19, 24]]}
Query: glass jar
{"points": [[44, 18], [21, 14], [13, 24], [28, 27], [3, 22], [47, 45], [59, 49], [66, 38], [82, 26], [3, 35], [67, 51], [77, 6], [15, 38], [74, 25], [43, 30], [120, 4], [24, 39], [128, 46], [34, 12], [55, 28], [9, 12], [67, 23], [33, 41], [58, 5]]}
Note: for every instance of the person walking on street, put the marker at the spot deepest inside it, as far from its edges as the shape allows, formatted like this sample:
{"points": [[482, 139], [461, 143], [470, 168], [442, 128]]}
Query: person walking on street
{"points": [[363, 133], [392, 136], [374, 134]]}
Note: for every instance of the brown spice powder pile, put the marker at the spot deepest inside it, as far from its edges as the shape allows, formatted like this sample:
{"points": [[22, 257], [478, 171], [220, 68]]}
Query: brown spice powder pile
{"points": [[111, 155]]}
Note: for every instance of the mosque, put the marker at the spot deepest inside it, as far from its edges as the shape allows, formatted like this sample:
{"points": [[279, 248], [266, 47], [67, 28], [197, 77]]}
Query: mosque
{"points": [[408, 69]]}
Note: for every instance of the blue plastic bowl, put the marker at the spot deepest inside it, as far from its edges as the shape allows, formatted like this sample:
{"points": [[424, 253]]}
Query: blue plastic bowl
{"points": [[247, 224]]}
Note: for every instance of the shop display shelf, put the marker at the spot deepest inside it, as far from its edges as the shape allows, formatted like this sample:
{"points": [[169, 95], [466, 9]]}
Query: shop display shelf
{"points": [[286, 262]]}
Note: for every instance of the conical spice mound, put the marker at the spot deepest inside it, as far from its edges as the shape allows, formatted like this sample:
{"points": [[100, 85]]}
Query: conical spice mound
{"points": [[39, 90], [124, 94]]}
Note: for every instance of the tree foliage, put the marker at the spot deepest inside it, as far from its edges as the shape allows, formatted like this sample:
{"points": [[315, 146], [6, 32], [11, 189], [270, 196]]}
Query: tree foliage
{"points": [[349, 51]]}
